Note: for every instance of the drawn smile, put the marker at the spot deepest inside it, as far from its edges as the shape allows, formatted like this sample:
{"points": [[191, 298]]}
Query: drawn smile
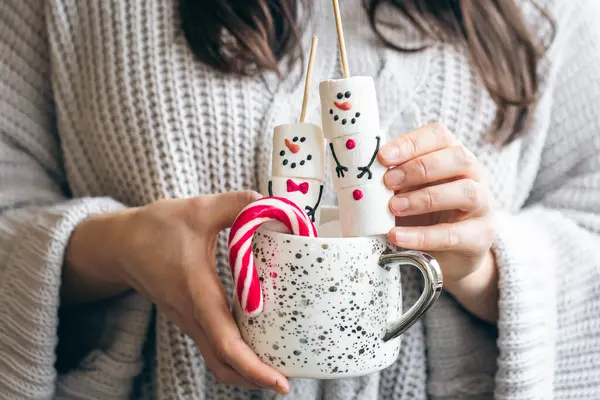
{"points": [[344, 120]]}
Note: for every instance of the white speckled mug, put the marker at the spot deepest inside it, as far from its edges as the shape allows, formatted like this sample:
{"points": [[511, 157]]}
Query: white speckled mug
{"points": [[332, 306]]}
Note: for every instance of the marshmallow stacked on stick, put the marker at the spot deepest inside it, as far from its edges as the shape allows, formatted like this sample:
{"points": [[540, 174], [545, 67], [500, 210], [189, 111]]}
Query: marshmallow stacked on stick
{"points": [[351, 125], [298, 166]]}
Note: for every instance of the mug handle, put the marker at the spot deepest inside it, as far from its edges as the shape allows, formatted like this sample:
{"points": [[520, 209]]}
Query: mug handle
{"points": [[432, 274]]}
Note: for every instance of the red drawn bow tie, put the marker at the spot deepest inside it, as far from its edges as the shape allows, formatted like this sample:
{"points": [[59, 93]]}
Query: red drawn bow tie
{"points": [[293, 187]]}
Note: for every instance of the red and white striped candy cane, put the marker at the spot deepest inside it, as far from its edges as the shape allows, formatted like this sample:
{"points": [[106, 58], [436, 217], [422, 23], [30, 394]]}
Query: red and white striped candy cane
{"points": [[241, 259]]}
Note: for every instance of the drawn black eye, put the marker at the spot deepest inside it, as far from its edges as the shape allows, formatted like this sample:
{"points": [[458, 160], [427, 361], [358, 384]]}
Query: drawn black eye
{"points": [[293, 165], [343, 122], [295, 139], [347, 94], [340, 96], [302, 140], [331, 112], [285, 162], [302, 162], [309, 157], [336, 118], [282, 153], [357, 115]]}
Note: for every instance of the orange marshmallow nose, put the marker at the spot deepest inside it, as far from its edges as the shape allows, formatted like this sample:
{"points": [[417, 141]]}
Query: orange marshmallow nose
{"points": [[294, 148], [346, 105]]}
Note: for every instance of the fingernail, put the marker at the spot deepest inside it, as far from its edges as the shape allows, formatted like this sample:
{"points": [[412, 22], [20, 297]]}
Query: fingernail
{"points": [[389, 154], [282, 387], [394, 177], [405, 236], [399, 204]]}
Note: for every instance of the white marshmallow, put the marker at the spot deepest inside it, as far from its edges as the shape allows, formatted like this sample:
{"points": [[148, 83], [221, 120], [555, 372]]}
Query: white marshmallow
{"points": [[299, 151], [364, 210], [330, 229], [349, 106], [305, 193], [355, 156]]}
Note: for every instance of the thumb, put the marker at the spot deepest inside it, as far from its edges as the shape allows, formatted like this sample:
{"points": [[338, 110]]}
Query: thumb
{"points": [[227, 206]]}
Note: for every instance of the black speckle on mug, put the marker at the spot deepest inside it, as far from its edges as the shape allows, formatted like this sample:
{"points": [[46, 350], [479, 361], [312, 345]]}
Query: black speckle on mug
{"points": [[294, 314]]}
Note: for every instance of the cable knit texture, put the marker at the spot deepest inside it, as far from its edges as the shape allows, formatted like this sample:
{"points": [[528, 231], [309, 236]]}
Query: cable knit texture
{"points": [[103, 106]]}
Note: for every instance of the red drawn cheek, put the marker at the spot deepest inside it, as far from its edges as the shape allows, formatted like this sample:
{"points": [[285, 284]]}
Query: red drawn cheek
{"points": [[357, 194], [350, 144]]}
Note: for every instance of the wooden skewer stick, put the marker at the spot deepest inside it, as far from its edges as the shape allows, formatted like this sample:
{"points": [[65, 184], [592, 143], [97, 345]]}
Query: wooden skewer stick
{"points": [[311, 61], [340, 31]]}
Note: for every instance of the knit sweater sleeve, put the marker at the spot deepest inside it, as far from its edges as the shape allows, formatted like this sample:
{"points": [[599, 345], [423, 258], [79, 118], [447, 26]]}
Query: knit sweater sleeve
{"points": [[548, 255], [36, 215]]}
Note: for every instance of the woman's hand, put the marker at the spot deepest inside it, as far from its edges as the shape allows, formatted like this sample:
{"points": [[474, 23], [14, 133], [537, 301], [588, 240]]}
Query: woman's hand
{"points": [[443, 207], [166, 251]]}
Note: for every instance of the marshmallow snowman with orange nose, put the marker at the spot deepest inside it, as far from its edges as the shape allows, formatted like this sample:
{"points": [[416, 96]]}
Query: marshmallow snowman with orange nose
{"points": [[298, 166], [350, 119]]}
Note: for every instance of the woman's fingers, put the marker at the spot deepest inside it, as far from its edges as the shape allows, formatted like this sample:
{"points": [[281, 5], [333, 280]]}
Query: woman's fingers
{"points": [[451, 162], [220, 370], [212, 312], [471, 236], [465, 195], [224, 208], [224, 374], [228, 205], [417, 143]]}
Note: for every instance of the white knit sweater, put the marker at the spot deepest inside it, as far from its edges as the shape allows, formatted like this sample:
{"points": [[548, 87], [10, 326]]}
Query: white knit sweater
{"points": [[103, 106]]}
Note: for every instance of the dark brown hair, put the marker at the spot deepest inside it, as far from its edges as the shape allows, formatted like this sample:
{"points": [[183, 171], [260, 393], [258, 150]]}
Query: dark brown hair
{"points": [[247, 36]]}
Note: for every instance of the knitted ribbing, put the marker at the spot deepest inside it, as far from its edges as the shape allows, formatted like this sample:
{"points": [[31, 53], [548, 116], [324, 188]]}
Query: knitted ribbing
{"points": [[103, 106]]}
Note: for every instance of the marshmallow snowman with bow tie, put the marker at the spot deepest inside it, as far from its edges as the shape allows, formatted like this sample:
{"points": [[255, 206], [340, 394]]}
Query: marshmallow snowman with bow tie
{"points": [[298, 166], [298, 162]]}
